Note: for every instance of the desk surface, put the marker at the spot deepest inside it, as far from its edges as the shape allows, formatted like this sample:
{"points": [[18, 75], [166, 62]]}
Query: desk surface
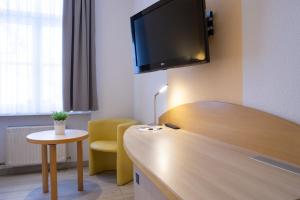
{"points": [[185, 165], [49, 137]]}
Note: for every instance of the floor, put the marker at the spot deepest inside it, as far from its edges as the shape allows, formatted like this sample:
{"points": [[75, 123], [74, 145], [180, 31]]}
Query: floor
{"points": [[99, 187]]}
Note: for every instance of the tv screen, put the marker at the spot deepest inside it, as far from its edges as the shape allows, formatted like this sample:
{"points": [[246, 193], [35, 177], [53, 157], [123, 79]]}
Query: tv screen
{"points": [[170, 33]]}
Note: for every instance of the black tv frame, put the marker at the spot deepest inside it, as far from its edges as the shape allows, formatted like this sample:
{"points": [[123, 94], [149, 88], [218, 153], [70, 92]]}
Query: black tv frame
{"points": [[169, 63]]}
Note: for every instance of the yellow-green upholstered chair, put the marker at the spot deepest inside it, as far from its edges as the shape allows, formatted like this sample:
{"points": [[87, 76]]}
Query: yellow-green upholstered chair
{"points": [[106, 151]]}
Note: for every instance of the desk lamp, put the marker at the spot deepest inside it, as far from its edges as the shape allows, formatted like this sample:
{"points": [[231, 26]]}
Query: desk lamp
{"points": [[162, 90]]}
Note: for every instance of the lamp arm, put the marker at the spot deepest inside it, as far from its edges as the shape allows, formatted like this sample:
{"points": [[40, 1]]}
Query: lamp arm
{"points": [[154, 108]]}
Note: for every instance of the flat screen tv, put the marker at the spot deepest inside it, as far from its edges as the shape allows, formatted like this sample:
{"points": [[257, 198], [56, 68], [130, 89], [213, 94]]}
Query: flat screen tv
{"points": [[170, 33]]}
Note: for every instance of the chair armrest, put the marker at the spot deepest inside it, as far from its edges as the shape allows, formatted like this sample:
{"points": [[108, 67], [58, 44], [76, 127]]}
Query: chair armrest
{"points": [[121, 131]]}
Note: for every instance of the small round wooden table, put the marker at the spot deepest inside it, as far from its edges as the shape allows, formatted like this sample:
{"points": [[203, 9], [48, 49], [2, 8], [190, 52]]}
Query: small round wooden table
{"points": [[45, 138]]}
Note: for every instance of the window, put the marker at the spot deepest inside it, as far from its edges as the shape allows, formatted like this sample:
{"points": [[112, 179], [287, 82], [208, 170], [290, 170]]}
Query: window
{"points": [[30, 56]]}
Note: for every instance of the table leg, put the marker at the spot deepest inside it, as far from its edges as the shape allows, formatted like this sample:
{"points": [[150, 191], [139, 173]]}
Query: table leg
{"points": [[79, 166], [45, 167], [53, 172]]}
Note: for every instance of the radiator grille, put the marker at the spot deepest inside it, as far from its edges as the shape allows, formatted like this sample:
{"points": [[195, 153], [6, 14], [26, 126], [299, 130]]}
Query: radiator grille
{"points": [[19, 152]]}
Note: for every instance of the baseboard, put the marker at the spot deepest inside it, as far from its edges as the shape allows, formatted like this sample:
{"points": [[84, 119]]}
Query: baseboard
{"points": [[6, 170]]}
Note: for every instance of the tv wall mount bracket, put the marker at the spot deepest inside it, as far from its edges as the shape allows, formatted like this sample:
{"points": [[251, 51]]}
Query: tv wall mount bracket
{"points": [[210, 22]]}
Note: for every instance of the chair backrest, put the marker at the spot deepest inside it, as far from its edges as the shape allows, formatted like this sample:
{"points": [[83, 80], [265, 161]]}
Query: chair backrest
{"points": [[105, 129]]}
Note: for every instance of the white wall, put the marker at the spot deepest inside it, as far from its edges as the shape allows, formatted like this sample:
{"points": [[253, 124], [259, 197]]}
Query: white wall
{"points": [[146, 85], [272, 56], [221, 79], [142, 4], [113, 59], [255, 60], [271, 64]]}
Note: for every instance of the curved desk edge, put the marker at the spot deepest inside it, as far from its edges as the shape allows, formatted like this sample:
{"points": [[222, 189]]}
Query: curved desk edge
{"points": [[165, 189], [232, 160]]}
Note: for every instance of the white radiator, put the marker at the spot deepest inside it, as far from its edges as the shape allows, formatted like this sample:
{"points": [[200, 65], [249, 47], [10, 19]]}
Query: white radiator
{"points": [[19, 152]]}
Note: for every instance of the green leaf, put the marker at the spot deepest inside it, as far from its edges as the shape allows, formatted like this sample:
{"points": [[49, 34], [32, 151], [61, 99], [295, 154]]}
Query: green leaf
{"points": [[60, 116]]}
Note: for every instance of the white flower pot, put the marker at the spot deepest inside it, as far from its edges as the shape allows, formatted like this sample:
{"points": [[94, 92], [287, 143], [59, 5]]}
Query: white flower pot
{"points": [[59, 127]]}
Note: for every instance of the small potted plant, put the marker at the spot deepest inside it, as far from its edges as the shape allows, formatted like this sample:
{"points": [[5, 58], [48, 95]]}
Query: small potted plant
{"points": [[59, 122]]}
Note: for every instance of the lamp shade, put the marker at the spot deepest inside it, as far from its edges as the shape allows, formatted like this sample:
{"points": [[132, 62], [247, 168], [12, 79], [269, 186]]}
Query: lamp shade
{"points": [[163, 89]]}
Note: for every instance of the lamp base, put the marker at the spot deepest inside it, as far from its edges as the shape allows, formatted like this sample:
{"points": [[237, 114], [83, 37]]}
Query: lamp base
{"points": [[151, 127]]}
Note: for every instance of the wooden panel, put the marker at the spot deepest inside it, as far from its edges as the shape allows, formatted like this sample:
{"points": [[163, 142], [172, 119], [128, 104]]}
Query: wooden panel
{"points": [[238, 125], [185, 165], [146, 189]]}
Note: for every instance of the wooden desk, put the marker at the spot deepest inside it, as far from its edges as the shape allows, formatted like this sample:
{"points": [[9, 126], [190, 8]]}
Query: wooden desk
{"points": [[185, 165], [45, 138]]}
